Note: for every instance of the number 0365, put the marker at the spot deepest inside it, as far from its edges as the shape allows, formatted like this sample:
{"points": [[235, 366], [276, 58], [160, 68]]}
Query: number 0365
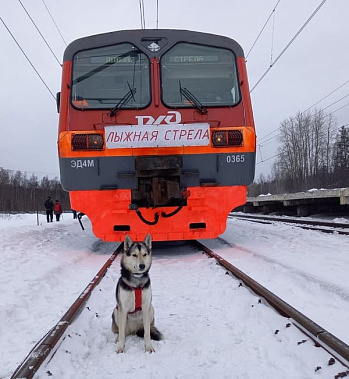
{"points": [[237, 158]]}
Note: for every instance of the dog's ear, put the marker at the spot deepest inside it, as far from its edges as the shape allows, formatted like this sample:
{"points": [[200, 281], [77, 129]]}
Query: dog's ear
{"points": [[127, 244], [147, 241]]}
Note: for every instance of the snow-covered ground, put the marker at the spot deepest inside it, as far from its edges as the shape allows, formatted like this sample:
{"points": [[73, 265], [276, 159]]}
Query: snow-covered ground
{"points": [[213, 327]]}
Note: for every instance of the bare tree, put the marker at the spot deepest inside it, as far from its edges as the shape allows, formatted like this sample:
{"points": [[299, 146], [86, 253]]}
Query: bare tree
{"points": [[20, 194], [304, 156]]}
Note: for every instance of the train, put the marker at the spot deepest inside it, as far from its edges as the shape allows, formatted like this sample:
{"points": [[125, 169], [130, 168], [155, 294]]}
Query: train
{"points": [[156, 132]]}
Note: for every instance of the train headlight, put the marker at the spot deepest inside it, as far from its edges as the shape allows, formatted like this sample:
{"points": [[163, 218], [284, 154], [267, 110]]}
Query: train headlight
{"points": [[95, 141], [87, 141], [221, 138]]}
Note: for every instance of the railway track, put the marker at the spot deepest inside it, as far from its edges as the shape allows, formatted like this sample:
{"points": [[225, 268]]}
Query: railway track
{"points": [[322, 226], [47, 347], [318, 334]]}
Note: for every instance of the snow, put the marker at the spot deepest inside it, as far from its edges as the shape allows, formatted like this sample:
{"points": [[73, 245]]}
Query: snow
{"points": [[213, 326]]}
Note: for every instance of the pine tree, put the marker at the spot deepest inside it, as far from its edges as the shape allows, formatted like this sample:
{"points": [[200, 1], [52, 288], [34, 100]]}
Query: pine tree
{"points": [[341, 158], [341, 149]]}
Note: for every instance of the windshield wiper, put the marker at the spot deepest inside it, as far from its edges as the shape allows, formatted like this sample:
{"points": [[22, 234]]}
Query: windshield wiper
{"points": [[124, 100], [190, 97]]}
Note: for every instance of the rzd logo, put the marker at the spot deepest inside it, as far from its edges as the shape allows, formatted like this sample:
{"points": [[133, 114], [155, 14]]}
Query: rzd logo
{"points": [[173, 117]]}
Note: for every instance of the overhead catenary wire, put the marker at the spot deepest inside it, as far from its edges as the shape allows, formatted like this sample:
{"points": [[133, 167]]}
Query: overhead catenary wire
{"points": [[141, 10], [33, 67], [267, 159], [289, 44], [271, 14], [319, 101], [269, 134], [278, 154], [48, 11], [343, 106], [270, 140], [38, 30], [263, 141], [335, 102], [272, 39], [157, 14], [325, 97]]}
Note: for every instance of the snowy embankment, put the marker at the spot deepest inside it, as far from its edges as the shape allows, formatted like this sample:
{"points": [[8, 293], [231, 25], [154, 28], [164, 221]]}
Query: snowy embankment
{"points": [[212, 326]]}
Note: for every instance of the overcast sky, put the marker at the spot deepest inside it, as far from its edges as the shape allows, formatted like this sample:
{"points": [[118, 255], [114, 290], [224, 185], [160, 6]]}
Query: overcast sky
{"points": [[314, 65]]}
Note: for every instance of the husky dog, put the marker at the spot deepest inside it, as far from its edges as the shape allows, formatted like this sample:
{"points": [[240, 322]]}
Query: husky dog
{"points": [[134, 313]]}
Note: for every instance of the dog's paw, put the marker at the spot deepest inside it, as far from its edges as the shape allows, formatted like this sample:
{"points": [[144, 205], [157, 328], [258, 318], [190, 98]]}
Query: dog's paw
{"points": [[120, 349], [149, 349]]}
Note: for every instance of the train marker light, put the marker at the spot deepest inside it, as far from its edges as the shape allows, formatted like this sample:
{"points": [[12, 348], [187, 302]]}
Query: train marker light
{"points": [[221, 138], [86, 141], [95, 141]]}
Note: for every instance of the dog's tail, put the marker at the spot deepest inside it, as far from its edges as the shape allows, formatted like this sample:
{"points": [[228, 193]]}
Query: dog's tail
{"points": [[155, 334]]}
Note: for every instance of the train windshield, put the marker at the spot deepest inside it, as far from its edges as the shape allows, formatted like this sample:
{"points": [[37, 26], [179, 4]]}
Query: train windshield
{"points": [[195, 75], [103, 78]]}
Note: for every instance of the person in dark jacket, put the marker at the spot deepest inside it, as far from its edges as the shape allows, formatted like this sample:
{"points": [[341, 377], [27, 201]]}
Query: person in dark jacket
{"points": [[49, 209], [58, 210]]}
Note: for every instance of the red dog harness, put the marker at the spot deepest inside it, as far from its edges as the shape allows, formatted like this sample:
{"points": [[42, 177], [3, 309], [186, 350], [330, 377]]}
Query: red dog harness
{"points": [[138, 300]]}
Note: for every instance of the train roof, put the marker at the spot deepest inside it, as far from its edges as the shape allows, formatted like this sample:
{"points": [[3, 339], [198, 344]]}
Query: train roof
{"points": [[165, 38]]}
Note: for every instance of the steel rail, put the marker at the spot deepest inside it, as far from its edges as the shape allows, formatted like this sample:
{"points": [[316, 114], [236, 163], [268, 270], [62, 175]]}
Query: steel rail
{"points": [[322, 337], [43, 348], [305, 224]]}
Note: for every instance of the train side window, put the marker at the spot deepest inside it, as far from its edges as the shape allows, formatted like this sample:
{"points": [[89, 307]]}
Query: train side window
{"points": [[209, 73], [102, 77]]}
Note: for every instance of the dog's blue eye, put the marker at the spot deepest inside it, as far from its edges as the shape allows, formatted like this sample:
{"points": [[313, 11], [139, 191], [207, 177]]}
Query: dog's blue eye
{"points": [[134, 255], [144, 255]]}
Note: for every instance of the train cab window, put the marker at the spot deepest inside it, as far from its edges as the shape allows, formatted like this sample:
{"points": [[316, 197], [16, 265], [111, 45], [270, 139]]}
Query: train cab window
{"points": [[111, 75], [203, 73]]}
